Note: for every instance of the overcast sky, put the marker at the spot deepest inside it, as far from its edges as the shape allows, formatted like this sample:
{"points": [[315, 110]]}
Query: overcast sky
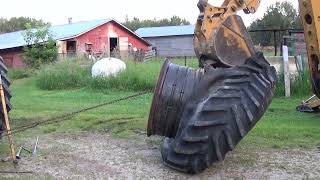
{"points": [[58, 11]]}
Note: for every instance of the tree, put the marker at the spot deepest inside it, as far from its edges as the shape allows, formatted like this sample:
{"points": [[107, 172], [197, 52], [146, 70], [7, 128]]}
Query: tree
{"points": [[278, 16], [136, 23], [18, 23], [41, 47]]}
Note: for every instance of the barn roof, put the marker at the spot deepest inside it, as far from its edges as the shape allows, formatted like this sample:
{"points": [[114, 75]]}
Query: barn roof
{"points": [[59, 32], [166, 31]]}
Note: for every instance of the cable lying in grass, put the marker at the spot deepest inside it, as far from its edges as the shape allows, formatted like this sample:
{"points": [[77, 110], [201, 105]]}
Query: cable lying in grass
{"points": [[16, 172], [67, 116]]}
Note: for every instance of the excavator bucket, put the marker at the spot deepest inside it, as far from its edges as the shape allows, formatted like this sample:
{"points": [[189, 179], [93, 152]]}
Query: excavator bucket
{"points": [[229, 45]]}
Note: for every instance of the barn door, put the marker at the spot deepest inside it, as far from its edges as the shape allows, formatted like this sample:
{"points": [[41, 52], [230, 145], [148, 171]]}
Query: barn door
{"points": [[123, 45]]}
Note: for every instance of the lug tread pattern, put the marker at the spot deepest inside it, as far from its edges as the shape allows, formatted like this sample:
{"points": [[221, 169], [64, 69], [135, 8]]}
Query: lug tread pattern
{"points": [[202, 140]]}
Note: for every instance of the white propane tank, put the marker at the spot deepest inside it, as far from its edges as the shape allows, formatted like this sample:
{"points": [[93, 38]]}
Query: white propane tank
{"points": [[107, 67]]}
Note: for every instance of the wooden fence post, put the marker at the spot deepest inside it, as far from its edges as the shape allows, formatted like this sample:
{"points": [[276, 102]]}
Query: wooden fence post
{"points": [[286, 70]]}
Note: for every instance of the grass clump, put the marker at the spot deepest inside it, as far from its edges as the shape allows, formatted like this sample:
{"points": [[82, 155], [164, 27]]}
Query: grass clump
{"points": [[280, 87], [18, 73], [137, 76], [74, 74], [300, 85], [62, 75]]}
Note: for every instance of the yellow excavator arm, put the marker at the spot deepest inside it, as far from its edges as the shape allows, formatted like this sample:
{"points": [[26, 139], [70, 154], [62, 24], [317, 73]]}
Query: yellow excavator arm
{"points": [[310, 16], [221, 39], [219, 31]]}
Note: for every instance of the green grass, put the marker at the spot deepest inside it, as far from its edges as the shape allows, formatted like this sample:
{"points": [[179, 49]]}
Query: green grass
{"points": [[300, 85], [281, 127], [70, 74], [136, 77], [18, 74], [62, 75], [74, 73], [32, 103]]}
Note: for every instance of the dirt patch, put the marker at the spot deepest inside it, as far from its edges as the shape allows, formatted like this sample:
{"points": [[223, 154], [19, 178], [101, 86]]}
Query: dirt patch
{"points": [[98, 156]]}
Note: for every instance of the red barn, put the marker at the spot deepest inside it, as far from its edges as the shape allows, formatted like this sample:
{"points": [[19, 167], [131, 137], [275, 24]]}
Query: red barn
{"points": [[89, 37]]}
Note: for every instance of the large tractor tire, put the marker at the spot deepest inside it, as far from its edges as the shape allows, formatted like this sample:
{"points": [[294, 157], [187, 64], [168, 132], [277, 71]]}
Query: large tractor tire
{"points": [[214, 113], [6, 84]]}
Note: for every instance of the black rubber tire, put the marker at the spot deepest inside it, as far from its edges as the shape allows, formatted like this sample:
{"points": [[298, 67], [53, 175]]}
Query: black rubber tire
{"points": [[6, 84], [235, 102]]}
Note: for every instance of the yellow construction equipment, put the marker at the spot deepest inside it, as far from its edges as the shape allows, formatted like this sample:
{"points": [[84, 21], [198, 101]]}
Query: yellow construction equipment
{"points": [[205, 112], [310, 15], [310, 105]]}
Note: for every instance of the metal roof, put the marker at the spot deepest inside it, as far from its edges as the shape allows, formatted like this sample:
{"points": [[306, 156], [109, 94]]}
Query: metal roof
{"points": [[59, 32], [166, 31]]}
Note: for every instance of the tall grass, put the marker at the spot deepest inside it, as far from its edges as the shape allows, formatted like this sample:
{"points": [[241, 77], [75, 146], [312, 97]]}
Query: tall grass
{"points": [[280, 86], [75, 73], [62, 75], [137, 76], [300, 85], [70, 74], [19, 73]]}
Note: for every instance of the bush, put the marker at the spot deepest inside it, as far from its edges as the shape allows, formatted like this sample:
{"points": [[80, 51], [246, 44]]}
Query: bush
{"points": [[41, 47], [18, 73]]}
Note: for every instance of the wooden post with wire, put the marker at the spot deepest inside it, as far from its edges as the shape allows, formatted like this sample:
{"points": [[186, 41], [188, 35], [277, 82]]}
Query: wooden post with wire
{"points": [[6, 122]]}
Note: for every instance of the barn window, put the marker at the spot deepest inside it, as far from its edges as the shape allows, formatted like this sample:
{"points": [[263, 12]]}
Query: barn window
{"points": [[88, 47]]}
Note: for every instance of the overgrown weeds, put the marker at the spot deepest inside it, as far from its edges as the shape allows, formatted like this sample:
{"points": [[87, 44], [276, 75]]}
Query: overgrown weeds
{"points": [[136, 77], [76, 73], [19, 73], [62, 75], [69, 74], [300, 84]]}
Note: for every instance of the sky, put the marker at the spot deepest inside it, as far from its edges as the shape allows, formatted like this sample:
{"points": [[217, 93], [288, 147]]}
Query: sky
{"points": [[58, 11]]}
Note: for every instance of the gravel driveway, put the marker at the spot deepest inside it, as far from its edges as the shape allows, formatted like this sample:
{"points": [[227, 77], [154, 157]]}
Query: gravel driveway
{"points": [[99, 156]]}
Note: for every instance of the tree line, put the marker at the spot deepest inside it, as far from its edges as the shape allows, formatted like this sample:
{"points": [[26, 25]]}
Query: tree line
{"points": [[278, 16], [19, 23], [136, 23]]}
